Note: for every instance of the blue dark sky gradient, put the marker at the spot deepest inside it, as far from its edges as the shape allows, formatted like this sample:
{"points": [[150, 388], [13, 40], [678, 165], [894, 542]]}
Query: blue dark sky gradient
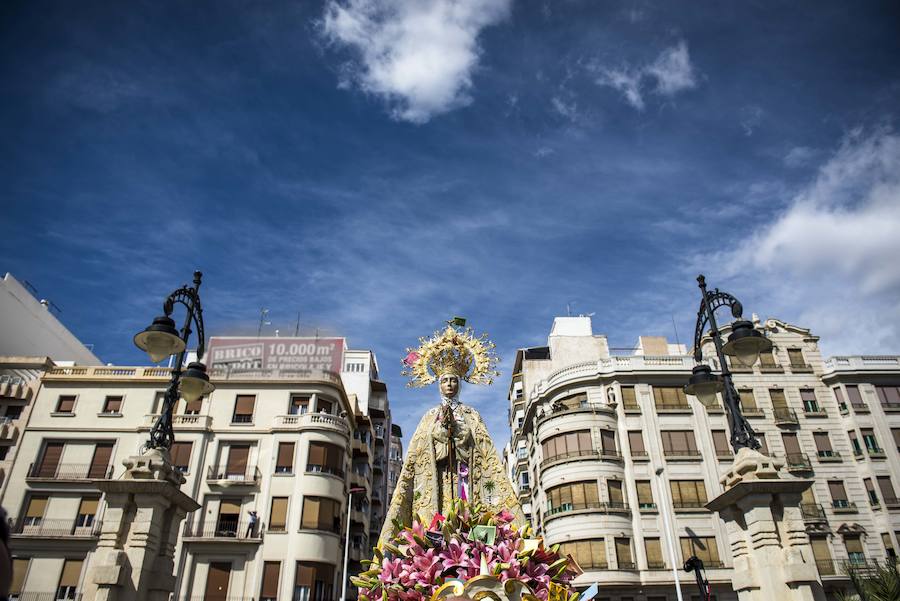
{"points": [[142, 140]]}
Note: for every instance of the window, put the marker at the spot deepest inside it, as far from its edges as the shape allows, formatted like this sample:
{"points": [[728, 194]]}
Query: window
{"points": [[810, 402], [888, 546], [271, 576], [236, 466], [321, 513], [895, 432], [855, 397], [644, 494], [748, 401], [193, 407], [703, 547], [679, 443], [854, 548], [19, 572], [868, 436], [284, 464], [887, 490], [100, 462], [838, 494], [579, 495], [778, 399], [795, 356], [13, 411], [68, 580], [228, 524], [669, 397], [767, 360], [839, 396], [278, 514], [325, 458], [629, 400], [636, 444], [87, 509], [623, 554], [523, 479], [65, 404], [570, 444], [720, 442], [49, 463], [299, 404], [823, 444], [112, 405], [854, 442], [243, 409], [181, 456], [688, 494], [792, 448], [889, 396], [314, 581], [575, 401], [763, 443], [870, 492], [654, 554], [4, 451], [608, 443], [34, 513], [590, 554], [324, 405], [616, 496], [822, 555]]}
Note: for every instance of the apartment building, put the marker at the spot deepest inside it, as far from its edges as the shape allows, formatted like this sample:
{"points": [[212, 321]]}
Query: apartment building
{"points": [[271, 455], [606, 449]]}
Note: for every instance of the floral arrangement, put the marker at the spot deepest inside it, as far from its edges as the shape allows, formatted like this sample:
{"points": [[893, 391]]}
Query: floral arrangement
{"points": [[470, 541]]}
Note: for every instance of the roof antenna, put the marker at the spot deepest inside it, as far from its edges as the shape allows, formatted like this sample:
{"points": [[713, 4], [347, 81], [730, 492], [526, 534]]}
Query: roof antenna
{"points": [[263, 314], [674, 327], [297, 327]]}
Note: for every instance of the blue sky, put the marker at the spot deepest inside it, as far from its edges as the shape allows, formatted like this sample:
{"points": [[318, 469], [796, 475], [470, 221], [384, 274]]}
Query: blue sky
{"points": [[381, 166]]}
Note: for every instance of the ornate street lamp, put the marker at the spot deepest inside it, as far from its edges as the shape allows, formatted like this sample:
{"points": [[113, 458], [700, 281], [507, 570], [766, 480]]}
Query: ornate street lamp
{"points": [[744, 344], [160, 340]]}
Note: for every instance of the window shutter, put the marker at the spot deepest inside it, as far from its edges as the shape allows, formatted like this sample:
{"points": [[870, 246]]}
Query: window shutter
{"points": [[278, 513], [66, 404], [591, 493], [808, 396], [70, 573], [584, 441], [778, 399], [839, 395], [181, 453], [820, 549], [823, 443], [50, 460], [720, 442], [578, 500], [608, 441], [237, 460], [113, 404], [808, 497], [644, 491], [628, 397], [193, 407], [636, 443], [886, 541], [837, 491], [100, 460], [791, 444], [896, 434], [285, 455], [887, 489], [229, 507], [305, 574], [20, 569], [88, 507], [311, 510], [244, 404], [623, 550], [795, 356], [763, 444], [853, 544], [854, 396], [748, 400], [316, 454], [36, 507], [271, 572], [654, 551], [615, 491]]}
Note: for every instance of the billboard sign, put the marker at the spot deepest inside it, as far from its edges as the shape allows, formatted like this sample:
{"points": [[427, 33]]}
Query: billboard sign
{"points": [[232, 356]]}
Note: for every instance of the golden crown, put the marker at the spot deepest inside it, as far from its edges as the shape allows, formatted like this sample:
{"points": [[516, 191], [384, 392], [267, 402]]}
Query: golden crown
{"points": [[455, 350]]}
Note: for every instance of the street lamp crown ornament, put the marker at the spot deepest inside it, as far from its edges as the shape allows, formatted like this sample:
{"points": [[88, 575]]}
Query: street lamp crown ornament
{"points": [[744, 345], [161, 340]]}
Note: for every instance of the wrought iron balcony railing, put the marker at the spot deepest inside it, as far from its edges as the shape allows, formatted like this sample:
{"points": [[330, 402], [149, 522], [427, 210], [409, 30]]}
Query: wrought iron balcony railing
{"points": [[225, 529], [812, 512], [56, 527], [69, 471], [784, 416], [248, 475]]}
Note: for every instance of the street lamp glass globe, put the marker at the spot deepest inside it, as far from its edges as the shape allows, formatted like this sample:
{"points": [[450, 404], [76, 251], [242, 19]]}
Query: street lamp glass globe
{"points": [[746, 343], [704, 385], [160, 339], [195, 382]]}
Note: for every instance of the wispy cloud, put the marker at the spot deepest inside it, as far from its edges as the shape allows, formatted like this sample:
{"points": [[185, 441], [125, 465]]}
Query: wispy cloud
{"points": [[671, 72], [830, 257], [418, 56], [751, 117], [800, 156]]}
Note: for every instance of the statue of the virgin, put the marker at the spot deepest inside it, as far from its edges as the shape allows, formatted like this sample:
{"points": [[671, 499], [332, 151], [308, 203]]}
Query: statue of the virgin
{"points": [[451, 455]]}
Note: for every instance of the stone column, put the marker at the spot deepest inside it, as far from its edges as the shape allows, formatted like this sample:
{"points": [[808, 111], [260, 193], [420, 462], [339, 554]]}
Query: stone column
{"points": [[134, 559], [772, 555]]}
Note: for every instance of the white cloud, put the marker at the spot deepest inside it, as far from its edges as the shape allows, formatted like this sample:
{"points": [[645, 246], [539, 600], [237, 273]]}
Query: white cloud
{"points": [[751, 117], [419, 56], [831, 258], [671, 71], [569, 110], [799, 156]]}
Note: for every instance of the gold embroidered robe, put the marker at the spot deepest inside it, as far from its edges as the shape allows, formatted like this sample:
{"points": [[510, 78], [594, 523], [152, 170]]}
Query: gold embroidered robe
{"points": [[425, 485]]}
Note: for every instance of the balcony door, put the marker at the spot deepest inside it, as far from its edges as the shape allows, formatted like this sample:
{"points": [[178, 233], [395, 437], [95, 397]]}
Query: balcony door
{"points": [[238, 456], [217, 581], [229, 518], [100, 460]]}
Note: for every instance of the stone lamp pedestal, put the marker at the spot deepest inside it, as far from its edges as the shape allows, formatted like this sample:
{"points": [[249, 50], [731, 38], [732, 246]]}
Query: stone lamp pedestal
{"points": [[773, 558], [134, 557]]}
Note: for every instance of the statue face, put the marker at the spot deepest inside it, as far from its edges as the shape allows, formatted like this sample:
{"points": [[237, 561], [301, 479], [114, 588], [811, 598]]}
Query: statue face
{"points": [[449, 386]]}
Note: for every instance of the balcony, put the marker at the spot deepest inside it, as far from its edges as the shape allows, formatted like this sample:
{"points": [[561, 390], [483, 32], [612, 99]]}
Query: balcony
{"points": [[69, 471], [184, 421], [225, 476], [582, 455], [599, 507], [223, 530], [647, 507], [627, 565], [814, 412], [844, 506], [753, 412], [860, 407], [640, 456], [689, 506], [801, 368], [45, 528], [54, 596], [785, 416], [892, 502], [8, 430], [829, 456], [313, 421], [357, 480], [361, 447], [682, 455], [876, 452], [797, 462], [812, 513], [673, 408]]}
